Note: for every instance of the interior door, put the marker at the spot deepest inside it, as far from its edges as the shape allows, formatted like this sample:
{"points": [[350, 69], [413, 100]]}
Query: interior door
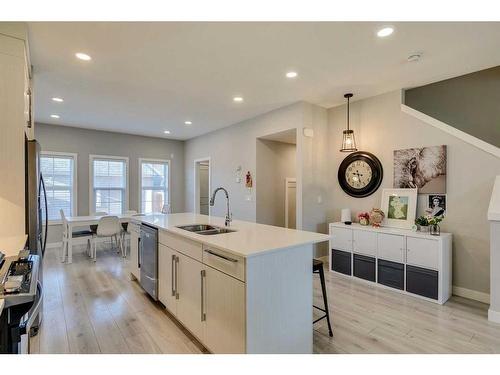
{"points": [[224, 309], [189, 279], [166, 277]]}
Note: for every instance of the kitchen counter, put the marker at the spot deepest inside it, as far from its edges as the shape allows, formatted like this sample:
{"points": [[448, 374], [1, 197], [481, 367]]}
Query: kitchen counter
{"points": [[248, 240], [12, 245]]}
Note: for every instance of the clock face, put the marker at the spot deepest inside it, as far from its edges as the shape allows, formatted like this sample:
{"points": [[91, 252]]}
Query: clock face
{"points": [[360, 174]]}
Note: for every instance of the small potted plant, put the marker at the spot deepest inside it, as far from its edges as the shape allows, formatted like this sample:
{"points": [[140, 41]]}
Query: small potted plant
{"points": [[422, 223], [434, 221], [364, 218]]}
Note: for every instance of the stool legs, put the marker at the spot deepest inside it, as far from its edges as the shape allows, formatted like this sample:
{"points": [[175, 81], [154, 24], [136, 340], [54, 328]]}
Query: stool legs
{"points": [[325, 300]]}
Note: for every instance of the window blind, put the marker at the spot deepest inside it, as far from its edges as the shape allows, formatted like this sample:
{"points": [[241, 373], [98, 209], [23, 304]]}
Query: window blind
{"points": [[109, 185], [154, 185]]}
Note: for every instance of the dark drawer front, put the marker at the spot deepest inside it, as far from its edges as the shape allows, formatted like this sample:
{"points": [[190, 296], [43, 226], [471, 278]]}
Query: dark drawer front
{"points": [[391, 274], [364, 267], [422, 281], [341, 262]]}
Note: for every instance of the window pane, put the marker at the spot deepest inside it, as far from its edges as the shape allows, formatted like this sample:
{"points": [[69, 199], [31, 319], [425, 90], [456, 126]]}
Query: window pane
{"points": [[154, 186], [57, 174], [110, 183]]}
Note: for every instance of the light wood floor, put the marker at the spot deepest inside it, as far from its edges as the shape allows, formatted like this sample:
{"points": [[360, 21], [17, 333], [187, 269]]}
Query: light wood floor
{"points": [[95, 308]]}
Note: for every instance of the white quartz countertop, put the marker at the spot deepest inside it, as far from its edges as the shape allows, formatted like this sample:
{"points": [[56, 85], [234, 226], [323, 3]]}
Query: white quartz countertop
{"points": [[494, 208], [12, 245], [249, 239]]}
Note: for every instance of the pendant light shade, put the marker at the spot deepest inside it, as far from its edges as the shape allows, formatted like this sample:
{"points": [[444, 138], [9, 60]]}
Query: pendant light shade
{"points": [[348, 140]]}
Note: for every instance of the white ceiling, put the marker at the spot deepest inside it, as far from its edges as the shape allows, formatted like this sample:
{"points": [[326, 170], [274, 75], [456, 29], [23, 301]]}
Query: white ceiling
{"points": [[145, 78]]}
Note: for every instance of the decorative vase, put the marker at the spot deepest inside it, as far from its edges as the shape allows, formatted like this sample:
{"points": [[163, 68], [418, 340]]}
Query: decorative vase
{"points": [[423, 228], [435, 230], [363, 221]]}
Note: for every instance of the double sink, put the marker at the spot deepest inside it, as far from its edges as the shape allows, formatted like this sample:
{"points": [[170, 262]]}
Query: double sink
{"points": [[205, 229]]}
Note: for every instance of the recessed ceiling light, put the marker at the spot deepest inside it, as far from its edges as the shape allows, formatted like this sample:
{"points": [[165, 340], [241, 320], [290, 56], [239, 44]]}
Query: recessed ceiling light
{"points": [[54, 116], [237, 99], [59, 100], [187, 122], [167, 132], [83, 56], [386, 31], [291, 74]]}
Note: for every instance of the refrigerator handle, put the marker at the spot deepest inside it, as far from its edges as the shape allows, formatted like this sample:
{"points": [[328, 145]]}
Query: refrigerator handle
{"points": [[42, 182]]}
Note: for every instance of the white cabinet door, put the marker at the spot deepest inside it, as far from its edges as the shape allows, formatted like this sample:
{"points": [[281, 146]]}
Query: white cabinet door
{"points": [[166, 277], [422, 252], [224, 309], [134, 253], [189, 279], [365, 242], [341, 239], [391, 247]]}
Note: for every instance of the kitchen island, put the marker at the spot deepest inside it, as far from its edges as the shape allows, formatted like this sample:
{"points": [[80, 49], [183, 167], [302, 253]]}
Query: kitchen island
{"points": [[246, 291]]}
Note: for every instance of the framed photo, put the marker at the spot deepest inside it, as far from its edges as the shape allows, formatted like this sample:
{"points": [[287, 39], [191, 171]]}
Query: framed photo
{"points": [[437, 205], [423, 168], [400, 207]]}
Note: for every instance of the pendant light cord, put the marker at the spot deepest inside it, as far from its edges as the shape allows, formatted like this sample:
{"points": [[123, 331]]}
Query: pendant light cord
{"points": [[347, 113]]}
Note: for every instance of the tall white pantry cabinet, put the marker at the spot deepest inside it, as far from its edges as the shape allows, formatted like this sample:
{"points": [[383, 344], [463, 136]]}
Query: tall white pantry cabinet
{"points": [[16, 123]]}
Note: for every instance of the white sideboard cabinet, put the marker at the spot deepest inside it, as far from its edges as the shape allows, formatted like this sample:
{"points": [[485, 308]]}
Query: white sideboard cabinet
{"points": [[410, 262]]}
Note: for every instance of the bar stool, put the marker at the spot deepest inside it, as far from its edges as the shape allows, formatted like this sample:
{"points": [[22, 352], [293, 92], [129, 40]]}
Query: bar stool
{"points": [[318, 268]]}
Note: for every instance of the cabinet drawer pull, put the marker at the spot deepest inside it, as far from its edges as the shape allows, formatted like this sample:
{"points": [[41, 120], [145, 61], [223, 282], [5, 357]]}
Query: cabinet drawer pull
{"points": [[203, 315], [173, 278], [229, 259], [176, 276]]}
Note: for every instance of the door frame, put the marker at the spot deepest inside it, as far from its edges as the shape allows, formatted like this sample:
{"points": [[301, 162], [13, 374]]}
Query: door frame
{"points": [[287, 181], [196, 192]]}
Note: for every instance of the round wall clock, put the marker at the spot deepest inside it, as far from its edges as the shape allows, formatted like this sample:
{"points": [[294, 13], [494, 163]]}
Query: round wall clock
{"points": [[360, 174]]}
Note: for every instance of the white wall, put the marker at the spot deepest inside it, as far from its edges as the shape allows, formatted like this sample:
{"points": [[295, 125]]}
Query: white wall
{"points": [[236, 146], [275, 162], [380, 127]]}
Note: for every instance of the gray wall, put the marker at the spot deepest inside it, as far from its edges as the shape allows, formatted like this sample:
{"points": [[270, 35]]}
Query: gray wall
{"points": [[275, 162], [469, 103], [84, 142], [381, 127]]}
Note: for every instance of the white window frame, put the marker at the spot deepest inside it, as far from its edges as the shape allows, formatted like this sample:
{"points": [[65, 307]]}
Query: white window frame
{"points": [[74, 203], [93, 157], [169, 184]]}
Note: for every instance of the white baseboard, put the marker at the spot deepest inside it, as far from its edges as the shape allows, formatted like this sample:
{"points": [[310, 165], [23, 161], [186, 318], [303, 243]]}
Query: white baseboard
{"points": [[494, 316], [471, 294]]}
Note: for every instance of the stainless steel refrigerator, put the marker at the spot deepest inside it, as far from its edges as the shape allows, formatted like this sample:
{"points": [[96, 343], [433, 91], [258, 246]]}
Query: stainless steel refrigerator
{"points": [[36, 200]]}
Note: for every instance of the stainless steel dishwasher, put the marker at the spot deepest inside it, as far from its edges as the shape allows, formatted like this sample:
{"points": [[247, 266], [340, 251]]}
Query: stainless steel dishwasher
{"points": [[148, 255]]}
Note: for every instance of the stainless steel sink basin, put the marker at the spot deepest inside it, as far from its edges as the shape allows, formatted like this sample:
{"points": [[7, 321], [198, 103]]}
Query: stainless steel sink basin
{"points": [[205, 229]]}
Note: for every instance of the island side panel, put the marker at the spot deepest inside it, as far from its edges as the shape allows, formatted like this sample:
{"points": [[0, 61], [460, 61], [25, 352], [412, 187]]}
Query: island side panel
{"points": [[279, 295]]}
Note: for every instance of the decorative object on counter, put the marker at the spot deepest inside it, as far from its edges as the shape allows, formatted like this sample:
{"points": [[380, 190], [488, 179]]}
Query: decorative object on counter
{"points": [[364, 218], [248, 180], [422, 223], [376, 217], [360, 174], [348, 141], [400, 206], [345, 216], [437, 205], [434, 221], [423, 168]]}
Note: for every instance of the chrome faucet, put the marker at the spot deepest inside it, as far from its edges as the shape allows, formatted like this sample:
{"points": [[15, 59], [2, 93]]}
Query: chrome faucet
{"points": [[228, 220]]}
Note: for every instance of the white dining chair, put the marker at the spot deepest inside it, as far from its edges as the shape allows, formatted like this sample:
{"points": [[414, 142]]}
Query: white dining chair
{"points": [[125, 231], [108, 226], [93, 227], [74, 234], [166, 209]]}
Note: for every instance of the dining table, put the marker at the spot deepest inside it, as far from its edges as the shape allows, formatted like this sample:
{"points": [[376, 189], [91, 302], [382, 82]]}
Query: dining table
{"points": [[85, 221]]}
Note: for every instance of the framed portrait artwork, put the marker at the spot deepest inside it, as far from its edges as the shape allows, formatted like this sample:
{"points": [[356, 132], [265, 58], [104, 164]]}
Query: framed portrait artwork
{"points": [[400, 207]]}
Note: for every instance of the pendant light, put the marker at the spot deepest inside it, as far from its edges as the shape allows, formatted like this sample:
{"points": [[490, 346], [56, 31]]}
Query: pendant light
{"points": [[348, 141]]}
